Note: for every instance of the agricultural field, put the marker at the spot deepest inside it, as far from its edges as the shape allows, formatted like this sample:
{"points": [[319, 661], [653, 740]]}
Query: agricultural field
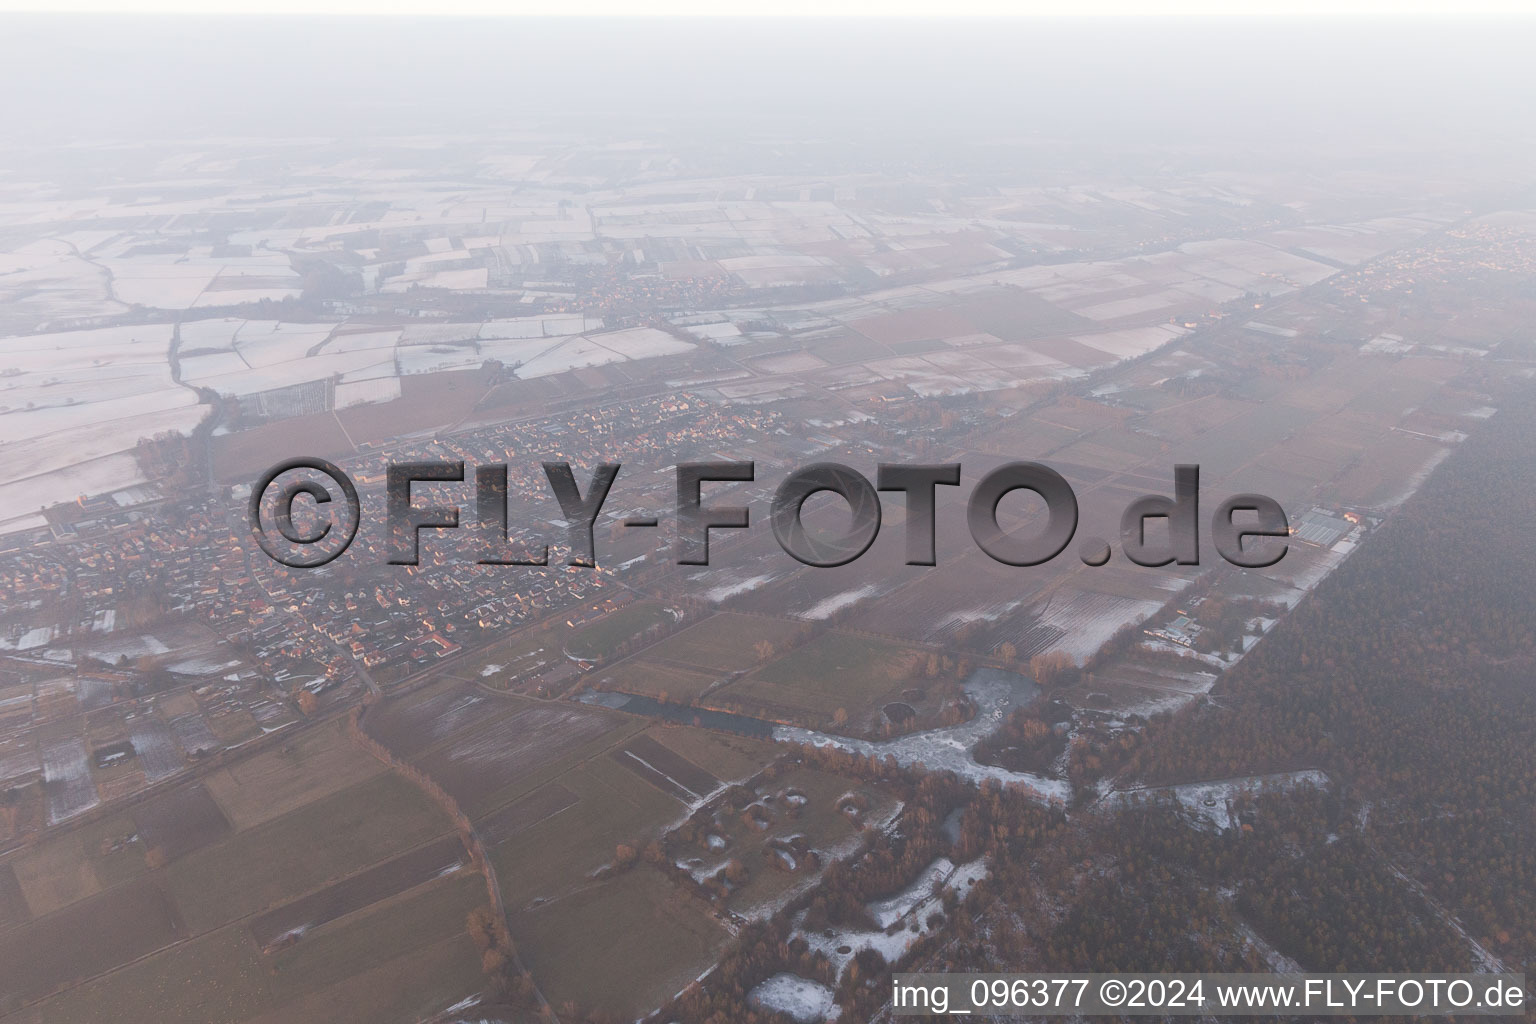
{"points": [[718, 645], [13, 902], [178, 823], [488, 763], [397, 961], [373, 885], [1388, 472], [334, 836], [665, 769], [663, 681], [315, 763], [604, 637], [410, 723], [547, 855], [525, 812], [556, 788], [518, 662], [727, 756], [561, 831], [63, 869], [87, 938], [179, 874]]}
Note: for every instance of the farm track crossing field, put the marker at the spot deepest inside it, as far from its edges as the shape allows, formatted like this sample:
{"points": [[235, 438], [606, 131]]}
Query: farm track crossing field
{"points": [[551, 856], [1385, 471], [726, 756], [79, 863], [318, 762], [551, 839], [335, 836], [475, 763], [213, 977], [659, 779], [361, 890], [85, 939], [181, 821], [426, 400], [411, 987], [665, 768], [398, 962]]}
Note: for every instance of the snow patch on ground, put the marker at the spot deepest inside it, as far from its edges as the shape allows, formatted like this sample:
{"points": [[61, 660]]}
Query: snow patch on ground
{"points": [[145, 645], [829, 606], [731, 589], [1211, 802], [888, 911], [996, 693], [924, 897]]}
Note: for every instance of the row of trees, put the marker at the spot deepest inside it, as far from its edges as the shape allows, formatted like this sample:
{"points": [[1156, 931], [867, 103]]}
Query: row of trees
{"points": [[487, 925]]}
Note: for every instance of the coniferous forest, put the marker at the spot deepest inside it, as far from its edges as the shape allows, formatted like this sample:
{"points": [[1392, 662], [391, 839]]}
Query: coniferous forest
{"points": [[1408, 678]]}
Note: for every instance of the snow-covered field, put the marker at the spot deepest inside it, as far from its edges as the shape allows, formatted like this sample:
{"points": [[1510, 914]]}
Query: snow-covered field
{"points": [[49, 279], [198, 278], [553, 326], [115, 646], [73, 405], [996, 693], [888, 911], [1132, 341], [602, 349], [155, 747], [1089, 619], [365, 392]]}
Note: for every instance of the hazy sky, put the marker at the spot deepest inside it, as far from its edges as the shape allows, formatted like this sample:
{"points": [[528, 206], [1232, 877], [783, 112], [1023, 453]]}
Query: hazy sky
{"points": [[1277, 88], [974, 8]]}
